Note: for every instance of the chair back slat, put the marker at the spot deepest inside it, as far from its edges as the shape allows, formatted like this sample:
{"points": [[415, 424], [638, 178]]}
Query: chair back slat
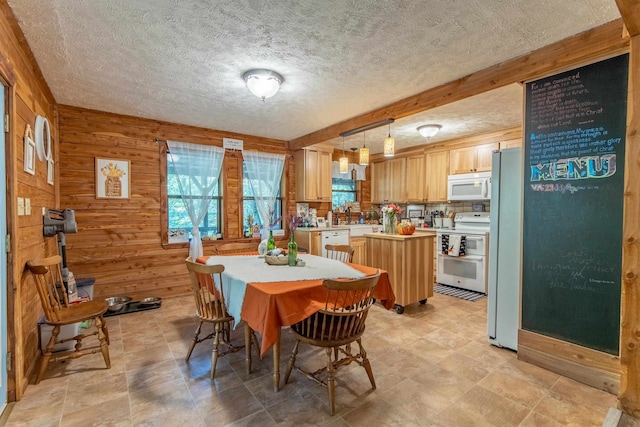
{"points": [[347, 303], [209, 297], [342, 253], [51, 289]]}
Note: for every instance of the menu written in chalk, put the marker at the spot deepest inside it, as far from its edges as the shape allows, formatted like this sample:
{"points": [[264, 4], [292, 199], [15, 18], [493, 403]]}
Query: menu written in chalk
{"points": [[575, 125]]}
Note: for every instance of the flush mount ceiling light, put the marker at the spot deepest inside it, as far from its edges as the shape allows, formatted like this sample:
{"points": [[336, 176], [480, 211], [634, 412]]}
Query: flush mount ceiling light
{"points": [[389, 144], [363, 159], [429, 131], [263, 83]]}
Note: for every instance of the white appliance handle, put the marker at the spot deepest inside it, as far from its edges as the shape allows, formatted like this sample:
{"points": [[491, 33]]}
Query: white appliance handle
{"points": [[485, 188], [472, 258], [475, 238]]}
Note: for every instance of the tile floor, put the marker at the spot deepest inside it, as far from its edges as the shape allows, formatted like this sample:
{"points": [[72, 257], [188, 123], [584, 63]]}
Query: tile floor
{"points": [[432, 365]]}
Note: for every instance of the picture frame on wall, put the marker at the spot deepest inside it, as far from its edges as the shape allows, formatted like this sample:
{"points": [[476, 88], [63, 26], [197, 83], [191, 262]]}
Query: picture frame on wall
{"points": [[29, 152], [113, 179]]}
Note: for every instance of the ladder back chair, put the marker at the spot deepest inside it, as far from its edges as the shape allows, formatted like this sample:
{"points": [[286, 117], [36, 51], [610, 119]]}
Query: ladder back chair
{"points": [[334, 328], [234, 248], [211, 308], [342, 253], [58, 312]]}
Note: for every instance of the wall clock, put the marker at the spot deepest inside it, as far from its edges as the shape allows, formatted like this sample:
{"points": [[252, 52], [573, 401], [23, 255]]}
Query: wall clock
{"points": [[43, 138]]}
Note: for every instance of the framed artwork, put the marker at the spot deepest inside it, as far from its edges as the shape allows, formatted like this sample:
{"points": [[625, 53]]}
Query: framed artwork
{"points": [[29, 152], [417, 213], [50, 171], [112, 179]]}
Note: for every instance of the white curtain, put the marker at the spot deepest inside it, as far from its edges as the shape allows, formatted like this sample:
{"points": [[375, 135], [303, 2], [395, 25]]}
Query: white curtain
{"points": [[198, 170], [264, 172]]}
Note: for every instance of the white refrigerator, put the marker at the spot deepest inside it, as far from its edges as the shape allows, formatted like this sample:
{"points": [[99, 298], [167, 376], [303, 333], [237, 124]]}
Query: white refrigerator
{"points": [[503, 288]]}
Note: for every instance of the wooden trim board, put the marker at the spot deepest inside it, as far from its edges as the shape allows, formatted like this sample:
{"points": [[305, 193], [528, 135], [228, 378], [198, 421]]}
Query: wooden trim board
{"points": [[591, 367]]}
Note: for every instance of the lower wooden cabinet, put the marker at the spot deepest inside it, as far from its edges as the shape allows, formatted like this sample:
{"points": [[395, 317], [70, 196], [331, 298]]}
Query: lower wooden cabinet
{"points": [[357, 243]]}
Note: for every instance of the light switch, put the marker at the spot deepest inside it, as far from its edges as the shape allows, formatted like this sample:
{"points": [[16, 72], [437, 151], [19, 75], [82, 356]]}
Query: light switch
{"points": [[27, 206], [20, 206]]}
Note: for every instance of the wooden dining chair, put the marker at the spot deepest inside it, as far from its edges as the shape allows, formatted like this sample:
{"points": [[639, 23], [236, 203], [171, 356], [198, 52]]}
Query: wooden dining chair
{"points": [[211, 308], [342, 253], [235, 247], [334, 328], [58, 312]]}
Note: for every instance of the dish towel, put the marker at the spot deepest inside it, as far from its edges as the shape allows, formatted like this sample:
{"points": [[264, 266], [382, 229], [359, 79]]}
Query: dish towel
{"points": [[454, 245]]}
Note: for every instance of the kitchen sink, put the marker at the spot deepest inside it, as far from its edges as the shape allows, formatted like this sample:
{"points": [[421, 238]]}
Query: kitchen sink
{"points": [[356, 230]]}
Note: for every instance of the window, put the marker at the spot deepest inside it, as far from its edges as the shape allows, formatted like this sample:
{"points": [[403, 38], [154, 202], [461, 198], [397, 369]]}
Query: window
{"points": [[178, 218], [249, 206], [342, 190]]}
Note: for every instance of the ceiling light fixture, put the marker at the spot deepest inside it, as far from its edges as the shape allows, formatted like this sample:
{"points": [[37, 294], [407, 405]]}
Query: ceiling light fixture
{"points": [[344, 161], [429, 131], [389, 144], [363, 159], [263, 83]]}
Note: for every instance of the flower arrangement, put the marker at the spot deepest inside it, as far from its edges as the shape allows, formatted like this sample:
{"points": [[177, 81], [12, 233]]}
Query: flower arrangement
{"points": [[293, 222], [273, 220], [391, 210]]}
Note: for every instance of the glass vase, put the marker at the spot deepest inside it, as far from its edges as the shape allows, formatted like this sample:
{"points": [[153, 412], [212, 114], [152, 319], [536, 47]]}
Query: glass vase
{"points": [[271, 242], [293, 252], [390, 225]]}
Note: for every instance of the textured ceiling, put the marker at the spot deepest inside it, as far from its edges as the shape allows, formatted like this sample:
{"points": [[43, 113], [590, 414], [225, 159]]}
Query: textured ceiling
{"points": [[182, 60]]}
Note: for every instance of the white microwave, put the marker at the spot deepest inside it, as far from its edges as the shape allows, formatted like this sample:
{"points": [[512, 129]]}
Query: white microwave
{"points": [[469, 186]]}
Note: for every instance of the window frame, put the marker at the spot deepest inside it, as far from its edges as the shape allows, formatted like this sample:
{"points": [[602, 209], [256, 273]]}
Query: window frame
{"points": [[164, 202], [279, 198], [354, 191]]}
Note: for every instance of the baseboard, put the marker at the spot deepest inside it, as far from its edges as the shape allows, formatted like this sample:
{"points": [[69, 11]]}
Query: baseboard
{"points": [[588, 366]]}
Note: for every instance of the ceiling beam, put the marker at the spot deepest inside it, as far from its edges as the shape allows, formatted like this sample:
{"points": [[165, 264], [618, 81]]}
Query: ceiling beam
{"points": [[582, 48], [630, 12]]}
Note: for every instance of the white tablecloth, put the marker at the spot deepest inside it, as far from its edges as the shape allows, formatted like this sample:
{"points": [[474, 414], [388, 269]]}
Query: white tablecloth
{"points": [[243, 269]]}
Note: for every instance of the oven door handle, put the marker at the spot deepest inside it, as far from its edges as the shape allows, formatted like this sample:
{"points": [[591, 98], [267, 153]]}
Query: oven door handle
{"points": [[474, 238], [471, 258]]}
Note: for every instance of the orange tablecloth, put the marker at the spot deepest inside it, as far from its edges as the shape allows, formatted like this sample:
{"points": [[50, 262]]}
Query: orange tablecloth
{"points": [[269, 306]]}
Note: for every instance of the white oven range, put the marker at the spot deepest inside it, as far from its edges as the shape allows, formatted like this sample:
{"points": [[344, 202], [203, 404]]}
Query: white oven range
{"points": [[471, 270]]}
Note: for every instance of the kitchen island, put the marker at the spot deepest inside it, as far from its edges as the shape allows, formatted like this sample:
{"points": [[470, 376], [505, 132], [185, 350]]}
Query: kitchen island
{"points": [[409, 262]]}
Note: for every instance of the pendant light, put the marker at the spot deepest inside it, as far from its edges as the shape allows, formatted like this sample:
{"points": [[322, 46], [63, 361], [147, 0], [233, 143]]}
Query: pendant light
{"points": [[344, 161], [389, 144], [363, 159]]}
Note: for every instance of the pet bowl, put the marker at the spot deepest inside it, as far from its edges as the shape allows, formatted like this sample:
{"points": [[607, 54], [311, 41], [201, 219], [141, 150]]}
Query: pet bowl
{"points": [[116, 303]]}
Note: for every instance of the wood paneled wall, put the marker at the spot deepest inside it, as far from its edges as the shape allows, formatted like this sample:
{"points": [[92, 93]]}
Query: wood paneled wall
{"points": [[119, 241], [28, 96]]}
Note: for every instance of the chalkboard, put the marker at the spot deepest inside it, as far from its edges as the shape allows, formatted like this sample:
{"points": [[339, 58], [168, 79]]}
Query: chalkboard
{"points": [[575, 125]]}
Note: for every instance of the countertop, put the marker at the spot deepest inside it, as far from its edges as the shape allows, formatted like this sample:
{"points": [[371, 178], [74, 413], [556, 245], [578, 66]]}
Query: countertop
{"points": [[310, 229], [398, 236]]}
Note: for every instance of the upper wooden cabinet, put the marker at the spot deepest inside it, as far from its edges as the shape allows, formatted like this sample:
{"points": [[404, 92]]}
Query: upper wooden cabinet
{"points": [[511, 143], [313, 175], [388, 181], [437, 165], [416, 177], [472, 159]]}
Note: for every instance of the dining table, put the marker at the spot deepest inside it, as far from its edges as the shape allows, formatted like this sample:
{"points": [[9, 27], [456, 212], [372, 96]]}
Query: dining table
{"points": [[269, 297]]}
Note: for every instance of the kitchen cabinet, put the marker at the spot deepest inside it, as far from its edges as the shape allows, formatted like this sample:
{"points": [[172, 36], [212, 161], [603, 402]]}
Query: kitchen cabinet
{"points": [[309, 239], [437, 171], [358, 245], [415, 179], [313, 175], [388, 181], [472, 159], [512, 143]]}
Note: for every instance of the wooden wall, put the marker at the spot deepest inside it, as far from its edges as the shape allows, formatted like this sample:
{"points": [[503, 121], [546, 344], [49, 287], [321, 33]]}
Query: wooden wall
{"points": [[119, 241], [28, 96]]}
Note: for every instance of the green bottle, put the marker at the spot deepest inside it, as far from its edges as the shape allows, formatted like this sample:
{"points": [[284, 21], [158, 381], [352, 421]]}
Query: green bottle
{"points": [[293, 252], [271, 243]]}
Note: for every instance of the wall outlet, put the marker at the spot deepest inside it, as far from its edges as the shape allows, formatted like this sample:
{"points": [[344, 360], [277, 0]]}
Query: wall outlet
{"points": [[20, 206]]}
